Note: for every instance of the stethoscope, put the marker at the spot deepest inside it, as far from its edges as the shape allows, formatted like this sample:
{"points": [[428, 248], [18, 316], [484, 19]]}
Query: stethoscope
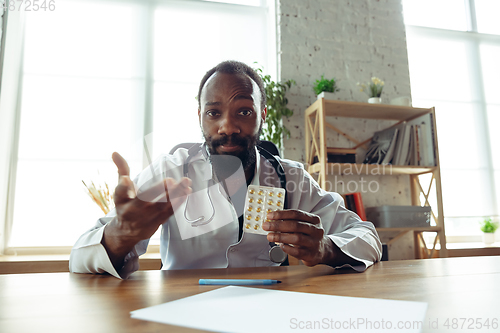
{"points": [[276, 254]]}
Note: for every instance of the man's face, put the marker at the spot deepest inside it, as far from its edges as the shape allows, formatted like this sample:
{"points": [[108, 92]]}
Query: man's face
{"points": [[230, 115]]}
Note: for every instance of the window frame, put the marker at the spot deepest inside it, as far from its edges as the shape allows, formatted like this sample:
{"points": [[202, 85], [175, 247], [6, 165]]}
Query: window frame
{"points": [[148, 7], [476, 38]]}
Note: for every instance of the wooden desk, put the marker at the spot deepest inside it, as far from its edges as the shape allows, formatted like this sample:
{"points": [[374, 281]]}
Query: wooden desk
{"points": [[63, 302]]}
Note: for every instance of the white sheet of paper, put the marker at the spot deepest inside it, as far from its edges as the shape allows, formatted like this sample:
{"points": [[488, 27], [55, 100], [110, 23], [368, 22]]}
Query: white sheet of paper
{"points": [[242, 309]]}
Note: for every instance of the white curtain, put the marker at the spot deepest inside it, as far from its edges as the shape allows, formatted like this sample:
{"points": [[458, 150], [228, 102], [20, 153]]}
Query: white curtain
{"points": [[9, 117]]}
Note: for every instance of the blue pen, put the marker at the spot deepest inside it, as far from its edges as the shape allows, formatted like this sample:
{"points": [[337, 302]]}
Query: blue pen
{"points": [[238, 282]]}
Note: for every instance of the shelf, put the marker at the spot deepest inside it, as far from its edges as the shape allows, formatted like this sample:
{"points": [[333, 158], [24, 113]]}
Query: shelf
{"points": [[369, 169], [317, 159], [335, 108], [471, 249], [419, 229]]}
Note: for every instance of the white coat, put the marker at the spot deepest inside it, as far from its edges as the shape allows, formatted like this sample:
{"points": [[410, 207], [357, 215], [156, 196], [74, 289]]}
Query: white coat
{"points": [[216, 245]]}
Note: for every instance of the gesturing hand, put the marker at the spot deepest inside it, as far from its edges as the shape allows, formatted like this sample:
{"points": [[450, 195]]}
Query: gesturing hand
{"points": [[302, 236], [139, 214]]}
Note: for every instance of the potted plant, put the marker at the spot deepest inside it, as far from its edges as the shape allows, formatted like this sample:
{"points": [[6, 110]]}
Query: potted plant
{"points": [[488, 228], [273, 129], [373, 89], [325, 88]]}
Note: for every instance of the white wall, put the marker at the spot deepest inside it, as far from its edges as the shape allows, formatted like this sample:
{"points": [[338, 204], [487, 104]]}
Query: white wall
{"points": [[1, 26], [351, 40]]}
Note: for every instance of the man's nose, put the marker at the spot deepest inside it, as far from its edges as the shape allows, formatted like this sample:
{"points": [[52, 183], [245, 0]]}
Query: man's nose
{"points": [[228, 126]]}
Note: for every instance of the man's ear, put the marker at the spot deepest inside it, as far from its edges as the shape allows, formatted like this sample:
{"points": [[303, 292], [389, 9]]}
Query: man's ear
{"points": [[264, 114], [199, 115]]}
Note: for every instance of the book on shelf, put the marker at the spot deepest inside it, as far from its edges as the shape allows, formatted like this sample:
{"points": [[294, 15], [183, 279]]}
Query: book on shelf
{"points": [[415, 146], [424, 158], [389, 156], [433, 156], [425, 140], [416, 151], [406, 143], [382, 146], [354, 202], [410, 147], [349, 202], [402, 145]]}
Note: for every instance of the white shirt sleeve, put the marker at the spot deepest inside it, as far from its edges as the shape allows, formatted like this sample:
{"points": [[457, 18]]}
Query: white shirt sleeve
{"points": [[89, 255], [359, 239], [356, 238]]}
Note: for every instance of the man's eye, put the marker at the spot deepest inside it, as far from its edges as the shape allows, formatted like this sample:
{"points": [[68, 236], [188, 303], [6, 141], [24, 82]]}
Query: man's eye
{"points": [[246, 112], [212, 113]]}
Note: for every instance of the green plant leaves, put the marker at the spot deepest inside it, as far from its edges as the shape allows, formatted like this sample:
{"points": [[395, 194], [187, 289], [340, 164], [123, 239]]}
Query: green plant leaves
{"points": [[488, 226], [273, 129], [325, 85]]}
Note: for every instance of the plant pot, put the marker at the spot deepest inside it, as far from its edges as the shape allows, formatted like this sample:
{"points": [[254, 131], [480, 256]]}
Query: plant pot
{"points": [[375, 100], [326, 95], [488, 237]]}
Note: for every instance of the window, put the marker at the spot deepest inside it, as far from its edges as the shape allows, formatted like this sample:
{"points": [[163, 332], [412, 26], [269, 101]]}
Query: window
{"points": [[443, 14], [453, 59], [104, 76]]}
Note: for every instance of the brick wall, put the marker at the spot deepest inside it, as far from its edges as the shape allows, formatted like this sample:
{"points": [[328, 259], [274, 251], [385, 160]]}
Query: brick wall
{"points": [[351, 40]]}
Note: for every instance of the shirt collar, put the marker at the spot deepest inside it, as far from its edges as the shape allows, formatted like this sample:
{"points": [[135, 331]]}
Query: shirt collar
{"points": [[255, 180], [208, 170]]}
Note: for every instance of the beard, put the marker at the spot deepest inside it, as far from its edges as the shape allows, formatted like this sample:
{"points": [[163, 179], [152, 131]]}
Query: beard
{"points": [[226, 164]]}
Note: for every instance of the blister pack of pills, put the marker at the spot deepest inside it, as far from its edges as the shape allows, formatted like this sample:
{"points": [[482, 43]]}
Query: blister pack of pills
{"points": [[260, 201]]}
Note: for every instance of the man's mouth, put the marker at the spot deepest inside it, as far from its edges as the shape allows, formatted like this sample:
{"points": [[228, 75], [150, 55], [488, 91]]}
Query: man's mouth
{"points": [[230, 147], [229, 144]]}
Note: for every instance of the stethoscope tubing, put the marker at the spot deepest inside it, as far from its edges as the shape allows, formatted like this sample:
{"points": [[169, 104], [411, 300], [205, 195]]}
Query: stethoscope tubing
{"points": [[276, 254]]}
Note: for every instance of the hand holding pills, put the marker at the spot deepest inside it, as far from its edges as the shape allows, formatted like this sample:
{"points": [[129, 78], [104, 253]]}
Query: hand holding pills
{"points": [[302, 235], [260, 201]]}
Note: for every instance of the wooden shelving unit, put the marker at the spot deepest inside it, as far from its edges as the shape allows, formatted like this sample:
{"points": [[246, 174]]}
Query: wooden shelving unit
{"points": [[366, 169], [316, 150]]}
